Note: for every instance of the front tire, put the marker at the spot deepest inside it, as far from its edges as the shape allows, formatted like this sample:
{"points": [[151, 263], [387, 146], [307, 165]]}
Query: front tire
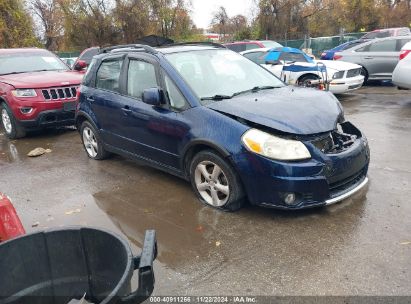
{"points": [[215, 182], [305, 81], [10, 124], [92, 142]]}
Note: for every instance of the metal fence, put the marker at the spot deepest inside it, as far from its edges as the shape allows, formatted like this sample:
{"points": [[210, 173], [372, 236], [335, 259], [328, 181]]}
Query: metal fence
{"points": [[319, 44], [67, 54]]}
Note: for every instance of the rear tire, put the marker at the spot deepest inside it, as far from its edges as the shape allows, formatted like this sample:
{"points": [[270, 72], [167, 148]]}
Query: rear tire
{"points": [[10, 124], [92, 142], [215, 182]]}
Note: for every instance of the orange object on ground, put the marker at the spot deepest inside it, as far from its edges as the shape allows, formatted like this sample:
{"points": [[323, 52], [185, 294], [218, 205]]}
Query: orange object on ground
{"points": [[10, 225]]}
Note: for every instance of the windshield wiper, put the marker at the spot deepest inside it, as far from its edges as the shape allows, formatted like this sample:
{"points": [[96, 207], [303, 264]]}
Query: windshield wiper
{"points": [[256, 89], [217, 97], [12, 73], [45, 70]]}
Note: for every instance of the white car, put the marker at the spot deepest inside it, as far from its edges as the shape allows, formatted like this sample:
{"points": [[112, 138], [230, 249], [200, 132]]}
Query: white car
{"points": [[401, 76], [295, 67]]}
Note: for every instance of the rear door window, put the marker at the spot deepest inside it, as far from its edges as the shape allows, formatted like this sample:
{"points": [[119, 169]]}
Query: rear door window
{"points": [[108, 75], [383, 46]]}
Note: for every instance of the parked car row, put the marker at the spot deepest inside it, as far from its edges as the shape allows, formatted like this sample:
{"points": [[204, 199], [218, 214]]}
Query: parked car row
{"points": [[282, 147], [295, 67]]}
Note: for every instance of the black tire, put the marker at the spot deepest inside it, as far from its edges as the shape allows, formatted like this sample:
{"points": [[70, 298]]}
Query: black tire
{"points": [[364, 73], [100, 152], [17, 131], [235, 198], [304, 80]]}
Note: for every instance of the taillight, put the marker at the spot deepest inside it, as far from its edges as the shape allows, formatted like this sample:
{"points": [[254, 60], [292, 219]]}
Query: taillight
{"points": [[337, 57], [404, 53], [323, 54], [78, 93]]}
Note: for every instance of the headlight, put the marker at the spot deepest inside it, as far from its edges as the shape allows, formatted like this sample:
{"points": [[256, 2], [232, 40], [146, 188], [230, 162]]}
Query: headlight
{"points": [[338, 75], [24, 93], [274, 147]]}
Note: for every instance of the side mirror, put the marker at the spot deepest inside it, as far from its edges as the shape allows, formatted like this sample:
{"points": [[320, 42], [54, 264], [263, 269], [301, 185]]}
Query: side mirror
{"points": [[152, 96], [80, 65], [273, 62]]}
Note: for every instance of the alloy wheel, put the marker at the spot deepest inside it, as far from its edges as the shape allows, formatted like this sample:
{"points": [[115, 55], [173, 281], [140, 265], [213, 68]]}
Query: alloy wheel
{"points": [[90, 142], [212, 183], [6, 121]]}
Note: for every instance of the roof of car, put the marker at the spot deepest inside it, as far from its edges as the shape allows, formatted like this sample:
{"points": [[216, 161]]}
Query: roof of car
{"points": [[167, 49], [245, 42], [22, 50]]}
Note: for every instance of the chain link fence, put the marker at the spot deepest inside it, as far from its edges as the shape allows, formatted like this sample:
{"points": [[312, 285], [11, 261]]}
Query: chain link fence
{"points": [[319, 44]]}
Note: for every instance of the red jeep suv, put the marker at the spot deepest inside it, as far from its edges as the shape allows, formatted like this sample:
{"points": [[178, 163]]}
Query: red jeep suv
{"points": [[37, 90]]}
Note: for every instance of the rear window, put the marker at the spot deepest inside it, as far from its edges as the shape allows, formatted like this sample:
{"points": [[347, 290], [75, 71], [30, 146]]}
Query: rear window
{"points": [[89, 54], [257, 57], [293, 57], [251, 46], [236, 47]]}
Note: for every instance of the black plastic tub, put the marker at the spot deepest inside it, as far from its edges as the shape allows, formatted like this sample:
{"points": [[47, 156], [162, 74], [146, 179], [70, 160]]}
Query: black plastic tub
{"points": [[56, 266]]}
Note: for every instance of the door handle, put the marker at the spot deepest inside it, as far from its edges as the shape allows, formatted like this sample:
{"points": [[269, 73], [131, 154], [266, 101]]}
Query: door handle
{"points": [[126, 110], [90, 99]]}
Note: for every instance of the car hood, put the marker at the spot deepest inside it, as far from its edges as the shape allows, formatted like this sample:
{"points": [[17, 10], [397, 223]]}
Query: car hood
{"points": [[339, 65], [45, 79], [289, 109]]}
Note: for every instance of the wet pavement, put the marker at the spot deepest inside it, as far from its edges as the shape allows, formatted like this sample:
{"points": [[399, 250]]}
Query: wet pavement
{"points": [[361, 246]]}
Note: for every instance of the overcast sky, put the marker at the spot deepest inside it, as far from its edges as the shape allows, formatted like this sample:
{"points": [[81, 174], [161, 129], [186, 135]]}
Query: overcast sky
{"points": [[202, 10]]}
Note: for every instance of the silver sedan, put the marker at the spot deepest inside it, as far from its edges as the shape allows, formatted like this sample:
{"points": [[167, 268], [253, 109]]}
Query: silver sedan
{"points": [[377, 57]]}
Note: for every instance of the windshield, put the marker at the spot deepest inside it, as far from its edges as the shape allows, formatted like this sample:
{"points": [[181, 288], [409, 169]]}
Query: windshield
{"points": [[220, 72], [30, 62]]}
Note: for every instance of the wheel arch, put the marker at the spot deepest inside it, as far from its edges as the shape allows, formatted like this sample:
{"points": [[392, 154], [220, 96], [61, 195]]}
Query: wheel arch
{"points": [[195, 147], [82, 117], [308, 74]]}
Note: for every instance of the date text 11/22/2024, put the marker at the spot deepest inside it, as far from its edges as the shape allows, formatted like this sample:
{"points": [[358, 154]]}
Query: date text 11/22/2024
{"points": [[202, 299]]}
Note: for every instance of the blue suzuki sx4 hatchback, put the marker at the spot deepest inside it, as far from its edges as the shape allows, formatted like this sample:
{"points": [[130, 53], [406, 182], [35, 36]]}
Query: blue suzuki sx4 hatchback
{"points": [[236, 132]]}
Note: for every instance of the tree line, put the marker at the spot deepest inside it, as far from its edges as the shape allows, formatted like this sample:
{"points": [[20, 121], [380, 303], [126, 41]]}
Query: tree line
{"points": [[77, 24]]}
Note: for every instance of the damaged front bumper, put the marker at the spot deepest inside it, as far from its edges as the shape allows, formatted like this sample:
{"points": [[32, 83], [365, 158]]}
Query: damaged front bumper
{"points": [[337, 170]]}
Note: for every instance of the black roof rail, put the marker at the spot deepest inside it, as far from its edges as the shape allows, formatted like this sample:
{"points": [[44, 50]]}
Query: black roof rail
{"points": [[146, 48], [194, 43]]}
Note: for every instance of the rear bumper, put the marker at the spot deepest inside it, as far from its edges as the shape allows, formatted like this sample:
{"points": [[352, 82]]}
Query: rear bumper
{"points": [[51, 118]]}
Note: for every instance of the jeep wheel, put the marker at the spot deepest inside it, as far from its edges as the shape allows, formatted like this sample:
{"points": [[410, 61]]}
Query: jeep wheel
{"points": [[91, 142], [215, 182], [10, 124]]}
